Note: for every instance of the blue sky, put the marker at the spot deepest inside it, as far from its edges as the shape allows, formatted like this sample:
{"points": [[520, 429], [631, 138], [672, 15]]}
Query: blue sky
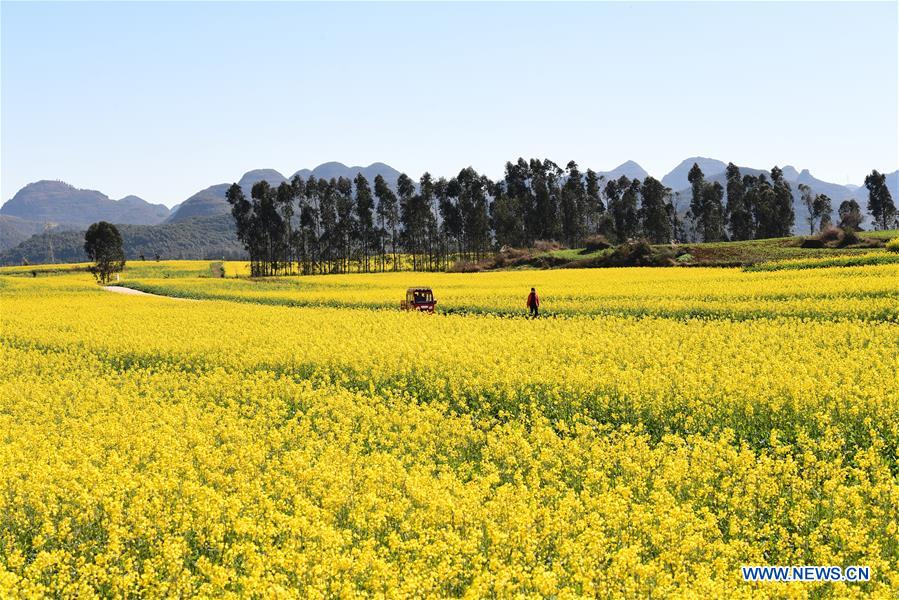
{"points": [[163, 99]]}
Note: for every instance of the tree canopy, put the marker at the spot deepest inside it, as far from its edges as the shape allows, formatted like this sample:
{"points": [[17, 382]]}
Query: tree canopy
{"points": [[103, 245]]}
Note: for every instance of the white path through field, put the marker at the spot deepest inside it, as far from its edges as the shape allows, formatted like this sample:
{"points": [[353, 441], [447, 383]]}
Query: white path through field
{"points": [[129, 292]]}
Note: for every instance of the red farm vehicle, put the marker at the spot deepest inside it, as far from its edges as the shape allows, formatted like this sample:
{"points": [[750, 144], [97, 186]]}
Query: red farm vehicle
{"points": [[420, 299]]}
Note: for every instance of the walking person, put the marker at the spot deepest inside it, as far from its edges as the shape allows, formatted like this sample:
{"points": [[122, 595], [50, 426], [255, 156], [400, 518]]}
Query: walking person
{"points": [[533, 303]]}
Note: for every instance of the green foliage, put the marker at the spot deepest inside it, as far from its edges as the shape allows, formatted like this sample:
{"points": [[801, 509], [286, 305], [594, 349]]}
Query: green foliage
{"points": [[638, 254], [880, 202], [573, 206], [655, 211], [596, 242], [805, 194], [388, 216], [893, 245], [822, 211], [103, 245], [850, 215], [849, 238], [706, 206], [622, 195], [738, 210], [508, 220]]}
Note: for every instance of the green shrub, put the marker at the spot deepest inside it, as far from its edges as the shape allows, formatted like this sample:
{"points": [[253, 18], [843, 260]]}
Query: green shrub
{"points": [[596, 242], [546, 245], [464, 266], [638, 254], [812, 243], [831, 234], [849, 237]]}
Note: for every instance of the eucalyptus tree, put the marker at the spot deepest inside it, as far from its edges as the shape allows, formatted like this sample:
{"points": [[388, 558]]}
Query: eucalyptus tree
{"points": [[474, 212], [808, 200], [573, 206], [783, 216], [655, 211], [425, 205], [285, 197], [880, 201], [850, 214], [739, 214], [388, 218], [329, 240], [593, 197], [822, 210], [365, 219], [623, 195], [507, 217], [451, 214], [345, 225]]}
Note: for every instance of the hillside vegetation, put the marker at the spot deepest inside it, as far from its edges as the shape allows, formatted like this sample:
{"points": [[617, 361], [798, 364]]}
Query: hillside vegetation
{"points": [[200, 237], [711, 254]]}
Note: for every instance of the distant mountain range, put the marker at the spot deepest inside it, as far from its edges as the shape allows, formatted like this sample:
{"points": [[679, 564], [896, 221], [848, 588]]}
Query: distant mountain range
{"points": [[46, 204], [54, 205], [714, 170], [211, 201], [59, 202], [336, 169]]}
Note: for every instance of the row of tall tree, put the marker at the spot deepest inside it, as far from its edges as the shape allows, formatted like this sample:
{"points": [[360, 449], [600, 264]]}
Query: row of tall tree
{"points": [[338, 225], [538, 200]]}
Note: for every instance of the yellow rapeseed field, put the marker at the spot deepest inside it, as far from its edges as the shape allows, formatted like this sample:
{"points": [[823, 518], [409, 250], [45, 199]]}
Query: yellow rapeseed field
{"points": [[297, 437], [869, 292]]}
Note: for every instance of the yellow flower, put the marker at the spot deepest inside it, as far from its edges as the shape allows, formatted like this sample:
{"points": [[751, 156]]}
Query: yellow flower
{"points": [[294, 439]]}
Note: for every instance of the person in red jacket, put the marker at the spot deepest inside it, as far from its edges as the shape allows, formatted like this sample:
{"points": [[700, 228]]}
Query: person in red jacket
{"points": [[533, 302]]}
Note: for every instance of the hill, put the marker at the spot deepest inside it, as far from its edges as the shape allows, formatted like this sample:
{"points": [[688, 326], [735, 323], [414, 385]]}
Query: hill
{"points": [[629, 169], [209, 202], [199, 237], [250, 178], [58, 202], [676, 179], [837, 192], [14, 231], [336, 169]]}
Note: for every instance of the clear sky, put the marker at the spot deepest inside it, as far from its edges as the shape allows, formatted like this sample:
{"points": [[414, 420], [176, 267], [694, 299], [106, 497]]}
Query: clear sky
{"points": [[163, 99]]}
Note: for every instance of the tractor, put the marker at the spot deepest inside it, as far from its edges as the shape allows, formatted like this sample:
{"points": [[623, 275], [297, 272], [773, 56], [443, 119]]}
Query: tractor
{"points": [[420, 299]]}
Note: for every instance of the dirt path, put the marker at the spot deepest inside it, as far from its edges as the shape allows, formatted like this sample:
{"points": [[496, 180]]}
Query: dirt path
{"points": [[130, 292]]}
